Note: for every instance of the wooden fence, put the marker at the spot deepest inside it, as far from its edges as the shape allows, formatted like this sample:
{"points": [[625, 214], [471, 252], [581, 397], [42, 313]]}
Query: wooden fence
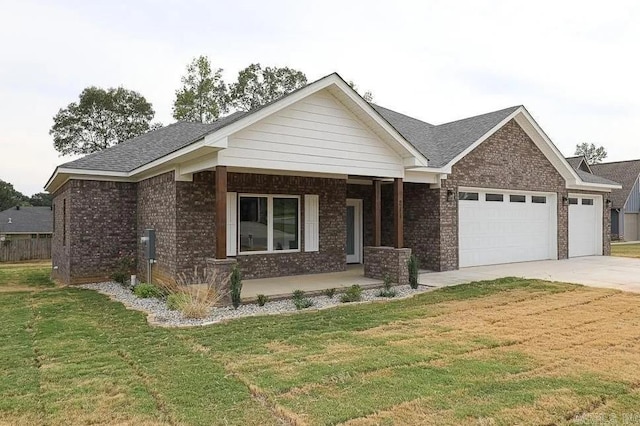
{"points": [[27, 249]]}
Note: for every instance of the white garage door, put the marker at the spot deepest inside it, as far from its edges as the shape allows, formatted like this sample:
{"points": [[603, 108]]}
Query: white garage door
{"points": [[503, 227], [585, 225]]}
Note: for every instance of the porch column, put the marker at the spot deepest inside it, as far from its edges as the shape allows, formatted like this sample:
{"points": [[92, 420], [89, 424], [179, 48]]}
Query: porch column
{"points": [[377, 213], [398, 222], [221, 212]]}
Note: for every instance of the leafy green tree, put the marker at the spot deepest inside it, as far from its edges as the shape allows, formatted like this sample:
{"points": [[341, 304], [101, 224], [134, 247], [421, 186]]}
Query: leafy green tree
{"points": [[203, 96], [593, 154], [257, 86], [10, 197], [41, 199], [101, 118]]}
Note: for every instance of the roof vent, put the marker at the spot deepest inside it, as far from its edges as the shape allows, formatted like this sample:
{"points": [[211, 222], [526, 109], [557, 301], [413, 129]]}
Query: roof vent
{"points": [[9, 220], [17, 207]]}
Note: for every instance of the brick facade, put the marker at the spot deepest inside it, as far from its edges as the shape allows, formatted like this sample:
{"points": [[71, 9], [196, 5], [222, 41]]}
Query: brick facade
{"points": [[60, 258], [382, 261]]}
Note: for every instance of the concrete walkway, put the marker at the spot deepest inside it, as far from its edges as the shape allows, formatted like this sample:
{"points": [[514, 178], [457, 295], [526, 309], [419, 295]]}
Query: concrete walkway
{"points": [[598, 271]]}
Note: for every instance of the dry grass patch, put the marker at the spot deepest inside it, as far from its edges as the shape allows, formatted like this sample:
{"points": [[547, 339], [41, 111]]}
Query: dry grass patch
{"points": [[625, 250]]}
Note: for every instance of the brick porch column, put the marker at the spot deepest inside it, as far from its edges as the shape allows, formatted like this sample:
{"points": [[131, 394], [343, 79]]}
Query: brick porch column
{"points": [[221, 212]]}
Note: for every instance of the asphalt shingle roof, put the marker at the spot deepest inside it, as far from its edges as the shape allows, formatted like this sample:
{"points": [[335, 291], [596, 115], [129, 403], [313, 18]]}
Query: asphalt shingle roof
{"points": [[574, 161], [31, 220], [442, 143], [141, 150], [624, 172]]}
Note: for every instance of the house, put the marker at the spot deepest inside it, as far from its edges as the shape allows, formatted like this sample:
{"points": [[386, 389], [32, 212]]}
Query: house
{"points": [[18, 223], [319, 179], [625, 202]]}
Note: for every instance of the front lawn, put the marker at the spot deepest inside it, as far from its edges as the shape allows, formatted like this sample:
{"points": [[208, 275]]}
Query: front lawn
{"points": [[501, 352], [625, 250]]}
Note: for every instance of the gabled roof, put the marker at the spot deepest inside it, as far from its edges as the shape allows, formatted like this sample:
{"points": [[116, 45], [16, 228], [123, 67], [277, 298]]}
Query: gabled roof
{"points": [[624, 172], [579, 162], [26, 220]]}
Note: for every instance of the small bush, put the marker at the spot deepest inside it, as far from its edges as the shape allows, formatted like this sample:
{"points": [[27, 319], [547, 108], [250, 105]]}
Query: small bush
{"points": [[330, 292], [387, 291], [145, 291], [123, 269], [176, 301], [262, 299], [353, 294], [414, 266], [300, 301], [235, 286]]}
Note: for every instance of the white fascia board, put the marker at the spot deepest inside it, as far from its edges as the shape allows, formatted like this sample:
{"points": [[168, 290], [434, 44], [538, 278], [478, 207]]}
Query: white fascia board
{"points": [[600, 187]]}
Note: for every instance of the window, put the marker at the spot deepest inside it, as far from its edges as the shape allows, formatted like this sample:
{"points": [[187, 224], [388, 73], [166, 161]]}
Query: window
{"points": [[469, 196], [517, 199], [587, 202], [269, 223], [494, 197], [34, 236], [573, 201], [538, 199]]}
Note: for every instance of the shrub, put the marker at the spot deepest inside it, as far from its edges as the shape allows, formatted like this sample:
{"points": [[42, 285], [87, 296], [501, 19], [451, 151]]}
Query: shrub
{"points": [[387, 291], [414, 266], [195, 294], [353, 294], [330, 292], [262, 299], [300, 301], [145, 291], [123, 268], [235, 286], [176, 301]]}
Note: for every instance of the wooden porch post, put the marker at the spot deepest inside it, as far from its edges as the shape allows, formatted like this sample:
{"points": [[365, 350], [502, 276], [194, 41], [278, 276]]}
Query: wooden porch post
{"points": [[377, 213], [221, 212], [398, 222]]}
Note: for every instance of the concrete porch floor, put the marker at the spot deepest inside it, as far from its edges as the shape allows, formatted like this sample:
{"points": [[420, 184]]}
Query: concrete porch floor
{"points": [[279, 287]]}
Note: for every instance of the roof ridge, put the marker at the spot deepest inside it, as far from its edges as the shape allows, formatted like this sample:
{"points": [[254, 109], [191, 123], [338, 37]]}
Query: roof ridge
{"points": [[480, 115], [615, 162]]}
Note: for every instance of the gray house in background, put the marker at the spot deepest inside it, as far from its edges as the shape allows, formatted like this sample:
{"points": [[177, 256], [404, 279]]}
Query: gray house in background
{"points": [[625, 202], [19, 223]]}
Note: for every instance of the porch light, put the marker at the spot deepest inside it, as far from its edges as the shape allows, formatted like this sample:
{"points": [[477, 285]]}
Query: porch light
{"points": [[608, 202], [565, 200], [449, 195]]}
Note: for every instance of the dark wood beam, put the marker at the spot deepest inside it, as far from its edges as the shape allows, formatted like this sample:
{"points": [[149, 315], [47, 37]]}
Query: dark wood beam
{"points": [[398, 220], [377, 213], [221, 212]]}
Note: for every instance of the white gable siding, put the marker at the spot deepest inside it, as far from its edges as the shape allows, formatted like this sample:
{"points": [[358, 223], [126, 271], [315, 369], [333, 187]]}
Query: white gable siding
{"points": [[316, 134]]}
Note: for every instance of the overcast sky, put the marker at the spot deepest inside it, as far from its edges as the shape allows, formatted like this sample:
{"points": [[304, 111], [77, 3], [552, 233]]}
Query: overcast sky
{"points": [[574, 65]]}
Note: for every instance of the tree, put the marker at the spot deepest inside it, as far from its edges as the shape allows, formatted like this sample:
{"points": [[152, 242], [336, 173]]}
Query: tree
{"points": [[41, 199], [10, 197], [257, 86], [101, 118], [593, 154], [367, 96], [203, 96]]}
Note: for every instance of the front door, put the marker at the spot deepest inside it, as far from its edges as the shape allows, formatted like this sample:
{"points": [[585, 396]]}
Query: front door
{"points": [[354, 231]]}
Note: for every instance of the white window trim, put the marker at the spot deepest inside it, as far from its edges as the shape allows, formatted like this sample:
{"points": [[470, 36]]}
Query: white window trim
{"points": [[270, 249]]}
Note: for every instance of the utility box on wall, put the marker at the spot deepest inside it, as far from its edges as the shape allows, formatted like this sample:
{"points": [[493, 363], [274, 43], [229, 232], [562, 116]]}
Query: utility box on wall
{"points": [[149, 242]]}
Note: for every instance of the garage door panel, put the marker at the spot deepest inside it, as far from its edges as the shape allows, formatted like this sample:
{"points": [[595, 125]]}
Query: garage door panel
{"points": [[585, 226], [492, 232]]}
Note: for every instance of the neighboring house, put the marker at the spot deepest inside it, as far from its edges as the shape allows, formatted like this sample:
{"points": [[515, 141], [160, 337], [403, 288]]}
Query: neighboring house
{"points": [[319, 179], [625, 202], [19, 223]]}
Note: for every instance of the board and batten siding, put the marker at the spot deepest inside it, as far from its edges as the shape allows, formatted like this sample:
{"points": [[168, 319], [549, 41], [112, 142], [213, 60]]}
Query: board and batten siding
{"points": [[316, 134], [633, 200]]}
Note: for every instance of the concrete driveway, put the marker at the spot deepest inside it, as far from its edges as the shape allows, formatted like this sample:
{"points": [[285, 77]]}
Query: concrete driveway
{"points": [[597, 271]]}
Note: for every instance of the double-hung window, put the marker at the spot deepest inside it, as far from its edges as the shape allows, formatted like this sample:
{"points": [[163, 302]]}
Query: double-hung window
{"points": [[268, 223]]}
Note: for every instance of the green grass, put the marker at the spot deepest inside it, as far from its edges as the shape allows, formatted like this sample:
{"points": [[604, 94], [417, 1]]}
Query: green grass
{"points": [[25, 276], [625, 250], [458, 355]]}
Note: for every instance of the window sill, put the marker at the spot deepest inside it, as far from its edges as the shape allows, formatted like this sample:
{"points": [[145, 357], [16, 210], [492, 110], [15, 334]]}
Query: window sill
{"points": [[249, 253]]}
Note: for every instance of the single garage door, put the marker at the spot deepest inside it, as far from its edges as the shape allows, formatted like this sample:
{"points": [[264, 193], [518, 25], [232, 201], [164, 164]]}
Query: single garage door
{"points": [[503, 227], [585, 225]]}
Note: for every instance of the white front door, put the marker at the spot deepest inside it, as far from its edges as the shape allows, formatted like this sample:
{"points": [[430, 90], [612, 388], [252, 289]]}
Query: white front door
{"points": [[506, 226], [585, 225], [354, 231]]}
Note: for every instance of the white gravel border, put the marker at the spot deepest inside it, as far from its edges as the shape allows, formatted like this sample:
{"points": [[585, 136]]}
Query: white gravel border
{"points": [[158, 313]]}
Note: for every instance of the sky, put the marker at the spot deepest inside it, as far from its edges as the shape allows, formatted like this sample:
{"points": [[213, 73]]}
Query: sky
{"points": [[573, 64]]}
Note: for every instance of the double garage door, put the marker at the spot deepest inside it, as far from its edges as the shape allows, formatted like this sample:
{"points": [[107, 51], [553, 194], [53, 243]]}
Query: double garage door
{"points": [[511, 226]]}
